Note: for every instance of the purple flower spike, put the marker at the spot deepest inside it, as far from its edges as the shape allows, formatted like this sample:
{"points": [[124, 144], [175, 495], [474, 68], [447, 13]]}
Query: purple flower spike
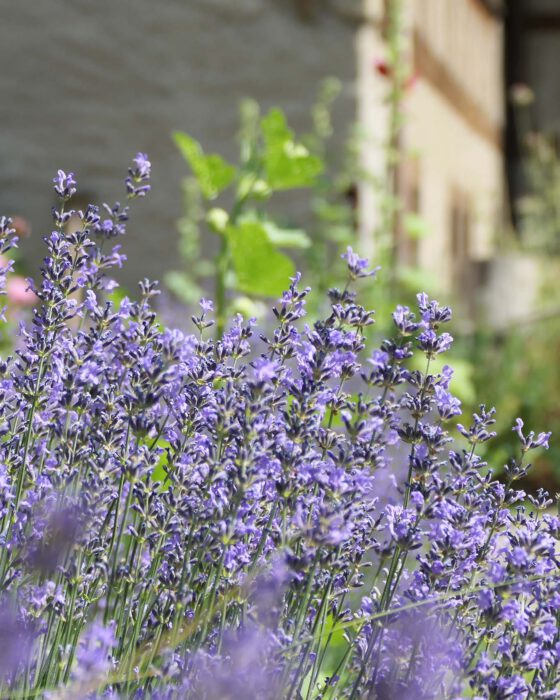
{"points": [[191, 517], [431, 312], [94, 648], [139, 176], [448, 405], [65, 185], [358, 266], [265, 370], [206, 305], [143, 166], [530, 442], [433, 344], [402, 525], [405, 320]]}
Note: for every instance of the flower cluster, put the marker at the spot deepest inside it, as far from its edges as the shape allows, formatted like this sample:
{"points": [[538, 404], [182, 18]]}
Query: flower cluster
{"points": [[258, 515]]}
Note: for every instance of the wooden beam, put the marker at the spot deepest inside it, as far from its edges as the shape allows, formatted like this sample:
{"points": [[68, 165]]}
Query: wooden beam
{"points": [[433, 69], [495, 8]]}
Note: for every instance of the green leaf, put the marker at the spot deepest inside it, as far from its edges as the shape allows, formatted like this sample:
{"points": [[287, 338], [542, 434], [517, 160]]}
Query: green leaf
{"points": [[259, 267], [159, 472], [288, 164], [249, 188], [286, 237], [213, 173]]}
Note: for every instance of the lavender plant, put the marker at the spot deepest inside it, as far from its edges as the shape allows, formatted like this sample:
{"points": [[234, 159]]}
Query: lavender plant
{"points": [[268, 516]]}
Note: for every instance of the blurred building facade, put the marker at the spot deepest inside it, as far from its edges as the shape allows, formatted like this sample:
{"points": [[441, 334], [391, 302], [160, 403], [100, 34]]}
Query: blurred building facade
{"points": [[453, 125], [92, 83], [531, 50]]}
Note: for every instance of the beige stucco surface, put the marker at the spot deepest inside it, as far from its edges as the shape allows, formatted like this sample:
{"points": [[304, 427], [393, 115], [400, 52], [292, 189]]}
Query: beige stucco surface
{"points": [[453, 159]]}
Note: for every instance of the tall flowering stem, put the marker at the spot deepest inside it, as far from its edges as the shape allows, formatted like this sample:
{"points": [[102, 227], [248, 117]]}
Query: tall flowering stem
{"points": [[262, 515]]}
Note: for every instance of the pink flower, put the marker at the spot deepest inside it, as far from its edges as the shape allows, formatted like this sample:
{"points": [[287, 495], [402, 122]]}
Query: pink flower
{"points": [[18, 291]]}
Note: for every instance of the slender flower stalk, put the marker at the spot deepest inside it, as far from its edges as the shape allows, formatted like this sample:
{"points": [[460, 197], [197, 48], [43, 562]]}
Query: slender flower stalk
{"points": [[266, 515]]}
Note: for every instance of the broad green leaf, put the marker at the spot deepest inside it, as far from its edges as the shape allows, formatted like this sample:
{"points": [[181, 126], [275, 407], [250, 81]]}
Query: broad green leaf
{"points": [[259, 267], [288, 164], [213, 173], [254, 189], [286, 237]]}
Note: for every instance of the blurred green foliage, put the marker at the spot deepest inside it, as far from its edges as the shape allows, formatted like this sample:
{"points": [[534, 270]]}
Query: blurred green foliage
{"points": [[519, 373], [250, 263], [518, 368]]}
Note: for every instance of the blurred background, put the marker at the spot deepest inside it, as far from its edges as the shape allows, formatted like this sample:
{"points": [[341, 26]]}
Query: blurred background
{"points": [[421, 132]]}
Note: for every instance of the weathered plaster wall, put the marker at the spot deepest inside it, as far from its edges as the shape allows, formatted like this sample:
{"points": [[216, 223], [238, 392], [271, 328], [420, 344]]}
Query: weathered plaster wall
{"points": [[453, 158], [85, 84], [452, 122]]}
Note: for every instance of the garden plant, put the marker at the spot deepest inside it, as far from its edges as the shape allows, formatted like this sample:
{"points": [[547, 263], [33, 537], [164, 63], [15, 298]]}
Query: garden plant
{"points": [[238, 203], [269, 515], [249, 261]]}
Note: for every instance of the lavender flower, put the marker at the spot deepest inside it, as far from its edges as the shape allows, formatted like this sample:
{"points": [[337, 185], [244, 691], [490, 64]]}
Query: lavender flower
{"points": [[65, 185], [402, 525], [530, 442], [433, 344], [139, 176], [93, 651], [448, 406], [265, 370], [198, 518], [357, 267], [433, 315], [405, 320]]}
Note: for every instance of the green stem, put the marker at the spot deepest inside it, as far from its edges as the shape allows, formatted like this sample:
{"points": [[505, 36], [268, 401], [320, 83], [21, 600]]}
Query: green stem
{"points": [[222, 263]]}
